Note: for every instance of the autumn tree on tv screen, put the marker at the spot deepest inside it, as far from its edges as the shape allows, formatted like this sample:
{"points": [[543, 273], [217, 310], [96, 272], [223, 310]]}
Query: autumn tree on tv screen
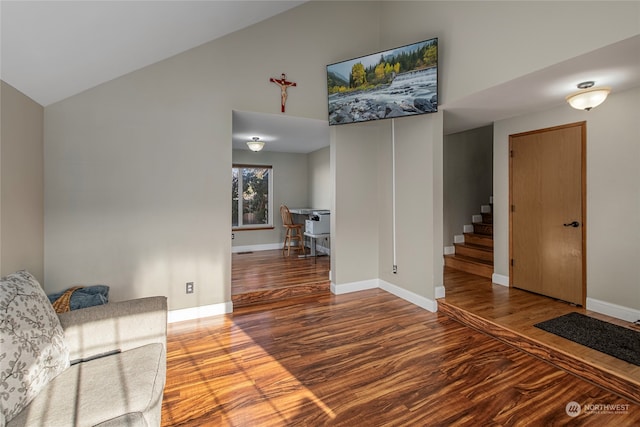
{"points": [[395, 83]]}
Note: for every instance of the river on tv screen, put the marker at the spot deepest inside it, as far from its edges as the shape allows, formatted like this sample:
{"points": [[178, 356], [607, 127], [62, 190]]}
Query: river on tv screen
{"points": [[396, 83]]}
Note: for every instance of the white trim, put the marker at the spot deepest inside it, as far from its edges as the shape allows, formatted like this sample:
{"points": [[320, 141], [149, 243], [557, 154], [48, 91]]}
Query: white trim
{"points": [[256, 248], [439, 292], [613, 310], [199, 312], [409, 296], [476, 218], [485, 209], [354, 286], [393, 196], [458, 238], [467, 228], [499, 279], [449, 250]]}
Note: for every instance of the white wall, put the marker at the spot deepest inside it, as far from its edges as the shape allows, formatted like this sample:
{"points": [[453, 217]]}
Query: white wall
{"points": [[319, 176], [613, 197], [137, 169], [22, 184], [418, 152], [354, 212]]}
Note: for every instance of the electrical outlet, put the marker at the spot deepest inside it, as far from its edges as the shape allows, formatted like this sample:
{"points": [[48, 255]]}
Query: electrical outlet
{"points": [[395, 269], [190, 287], [233, 236]]}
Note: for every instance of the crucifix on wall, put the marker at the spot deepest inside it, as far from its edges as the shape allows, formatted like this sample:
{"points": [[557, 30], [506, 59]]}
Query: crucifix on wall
{"points": [[284, 84]]}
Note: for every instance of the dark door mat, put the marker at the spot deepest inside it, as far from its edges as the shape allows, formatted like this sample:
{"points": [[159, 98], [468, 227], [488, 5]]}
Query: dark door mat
{"points": [[614, 340]]}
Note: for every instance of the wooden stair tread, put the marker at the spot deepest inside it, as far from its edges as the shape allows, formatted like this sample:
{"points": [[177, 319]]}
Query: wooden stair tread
{"points": [[470, 259], [483, 236], [475, 254], [483, 228], [475, 251], [470, 265], [474, 246]]}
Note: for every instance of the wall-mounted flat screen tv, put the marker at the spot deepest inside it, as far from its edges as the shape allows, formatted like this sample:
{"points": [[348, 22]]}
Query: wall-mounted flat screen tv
{"points": [[395, 83]]}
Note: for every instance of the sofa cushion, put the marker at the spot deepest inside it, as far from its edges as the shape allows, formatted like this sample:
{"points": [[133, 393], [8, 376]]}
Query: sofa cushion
{"points": [[32, 346], [121, 389]]}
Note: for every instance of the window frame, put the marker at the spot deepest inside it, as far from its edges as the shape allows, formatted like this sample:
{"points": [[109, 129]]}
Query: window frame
{"points": [[243, 227]]}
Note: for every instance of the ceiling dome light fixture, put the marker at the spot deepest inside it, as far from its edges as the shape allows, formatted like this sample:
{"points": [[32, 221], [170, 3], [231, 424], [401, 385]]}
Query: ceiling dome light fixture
{"points": [[255, 145], [589, 97]]}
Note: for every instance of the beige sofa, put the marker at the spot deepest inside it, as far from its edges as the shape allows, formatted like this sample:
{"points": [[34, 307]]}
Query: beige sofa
{"points": [[124, 386]]}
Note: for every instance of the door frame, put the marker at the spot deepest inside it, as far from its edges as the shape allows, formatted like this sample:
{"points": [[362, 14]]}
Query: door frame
{"points": [[583, 128]]}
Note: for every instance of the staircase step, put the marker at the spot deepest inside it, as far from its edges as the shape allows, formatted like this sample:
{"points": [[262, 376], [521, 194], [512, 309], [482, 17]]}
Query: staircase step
{"points": [[483, 228], [474, 251], [479, 239], [487, 217], [469, 265]]}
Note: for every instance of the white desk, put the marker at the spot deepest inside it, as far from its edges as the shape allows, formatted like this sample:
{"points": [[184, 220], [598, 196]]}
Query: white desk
{"points": [[302, 211], [308, 212], [313, 238]]}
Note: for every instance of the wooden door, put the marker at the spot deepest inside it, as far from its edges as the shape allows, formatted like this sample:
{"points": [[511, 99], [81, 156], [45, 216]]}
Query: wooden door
{"points": [[547, 218]]}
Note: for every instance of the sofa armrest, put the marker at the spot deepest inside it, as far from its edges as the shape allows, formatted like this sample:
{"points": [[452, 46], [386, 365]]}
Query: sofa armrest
{"points": [[115, 326]]}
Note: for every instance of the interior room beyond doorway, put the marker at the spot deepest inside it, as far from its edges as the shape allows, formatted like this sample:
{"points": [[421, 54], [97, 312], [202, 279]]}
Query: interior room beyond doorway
{"points": [[297, 152]]}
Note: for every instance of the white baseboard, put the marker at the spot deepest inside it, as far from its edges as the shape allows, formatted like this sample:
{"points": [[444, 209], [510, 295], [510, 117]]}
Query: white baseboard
{"points": [[449, 250], [476, 218], [256, 248], [485, 209], [199, 312], [467, 228], [499, 279], [354, 286], [613, 310], [458, 238], [602, 307], [409, 296], [439, 292], [272, 246]]}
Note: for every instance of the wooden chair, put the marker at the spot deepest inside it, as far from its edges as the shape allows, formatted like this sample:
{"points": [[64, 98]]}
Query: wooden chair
{"points": [[292, 231]]}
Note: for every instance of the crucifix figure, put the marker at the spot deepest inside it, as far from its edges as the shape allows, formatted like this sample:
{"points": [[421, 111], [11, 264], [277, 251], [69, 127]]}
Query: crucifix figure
{"points": [[284, 84]]}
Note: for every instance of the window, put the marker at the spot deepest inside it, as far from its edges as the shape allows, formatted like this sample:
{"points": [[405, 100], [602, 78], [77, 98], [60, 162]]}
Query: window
{"points": [[252, 196]]}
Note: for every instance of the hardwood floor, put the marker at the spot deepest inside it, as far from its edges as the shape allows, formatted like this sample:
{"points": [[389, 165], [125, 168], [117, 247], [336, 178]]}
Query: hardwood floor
{"points": [[265, 276], [365, 358], [509, 315]]}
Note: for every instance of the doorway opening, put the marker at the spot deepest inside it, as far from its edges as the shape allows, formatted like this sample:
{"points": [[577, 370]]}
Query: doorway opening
{"points": [[297, 153]]}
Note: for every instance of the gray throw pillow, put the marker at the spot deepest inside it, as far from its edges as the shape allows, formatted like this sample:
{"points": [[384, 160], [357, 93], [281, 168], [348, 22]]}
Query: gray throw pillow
{"points": [[32, 346]]}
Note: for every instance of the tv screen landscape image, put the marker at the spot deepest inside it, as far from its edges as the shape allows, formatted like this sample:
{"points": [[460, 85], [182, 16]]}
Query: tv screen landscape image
{"points": [[395, 83]]}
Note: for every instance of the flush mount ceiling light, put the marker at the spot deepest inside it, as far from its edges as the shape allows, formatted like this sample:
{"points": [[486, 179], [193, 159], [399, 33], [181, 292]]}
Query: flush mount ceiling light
{"points": [[255, 145], [589, 97]]}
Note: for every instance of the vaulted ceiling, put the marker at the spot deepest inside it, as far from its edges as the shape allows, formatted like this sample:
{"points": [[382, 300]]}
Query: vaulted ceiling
{"points": [[51, 50], [55, 49]]}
